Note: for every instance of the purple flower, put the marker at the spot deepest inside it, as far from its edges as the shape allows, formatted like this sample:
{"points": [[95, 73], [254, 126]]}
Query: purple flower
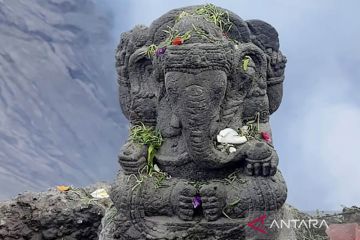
{"points": [[196, 201], [160, 51]]}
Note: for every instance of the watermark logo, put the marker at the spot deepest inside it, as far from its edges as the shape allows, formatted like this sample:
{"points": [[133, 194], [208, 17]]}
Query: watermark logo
{"points": [[298, 223], [254, 224], [263, 225]]}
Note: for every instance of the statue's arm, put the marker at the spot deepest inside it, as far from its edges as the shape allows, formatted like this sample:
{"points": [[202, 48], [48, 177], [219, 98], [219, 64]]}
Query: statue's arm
{"points": [[261, 156], [132, 157]]}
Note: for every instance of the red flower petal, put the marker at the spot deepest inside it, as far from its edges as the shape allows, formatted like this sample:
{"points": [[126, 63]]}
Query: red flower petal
{"points": [[177, 41], [266, 136]]}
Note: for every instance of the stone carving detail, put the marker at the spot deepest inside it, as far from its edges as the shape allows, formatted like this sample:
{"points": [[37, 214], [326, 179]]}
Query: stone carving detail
{"points": [[189, 77]]}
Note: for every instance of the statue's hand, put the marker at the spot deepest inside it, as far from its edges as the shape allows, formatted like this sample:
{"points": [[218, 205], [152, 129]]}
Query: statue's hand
{"points": [[213, 200], [277, 63], [132, 157], [181, 199], [262, 160]]}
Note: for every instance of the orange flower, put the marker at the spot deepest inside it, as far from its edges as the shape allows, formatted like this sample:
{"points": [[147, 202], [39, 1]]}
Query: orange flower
{"points": [[63, 188], [177, 41]]}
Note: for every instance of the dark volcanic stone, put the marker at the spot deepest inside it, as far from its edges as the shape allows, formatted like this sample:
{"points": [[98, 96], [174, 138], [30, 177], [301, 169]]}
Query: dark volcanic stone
{"points": [[211, 79], [53, 215]]}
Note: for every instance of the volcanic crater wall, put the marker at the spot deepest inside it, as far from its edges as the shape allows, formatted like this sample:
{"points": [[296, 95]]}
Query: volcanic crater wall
{"points": [[59, 114]]}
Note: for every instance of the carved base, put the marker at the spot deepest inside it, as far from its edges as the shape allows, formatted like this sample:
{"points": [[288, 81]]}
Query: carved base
{"points": [[170, 228], [228, 205]]}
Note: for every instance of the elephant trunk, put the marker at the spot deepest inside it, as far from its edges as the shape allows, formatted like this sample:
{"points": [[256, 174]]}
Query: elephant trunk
{"points": [[199, 109]]}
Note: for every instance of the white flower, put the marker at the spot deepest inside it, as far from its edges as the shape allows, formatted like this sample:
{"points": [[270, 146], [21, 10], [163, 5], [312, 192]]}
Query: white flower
{"points": [[244, 129], [156, 168], [229, 135], [232, 149]]}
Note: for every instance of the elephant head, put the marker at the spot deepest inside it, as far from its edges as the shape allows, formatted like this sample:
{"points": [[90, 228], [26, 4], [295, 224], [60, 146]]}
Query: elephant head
{"points": [[211, 81]]}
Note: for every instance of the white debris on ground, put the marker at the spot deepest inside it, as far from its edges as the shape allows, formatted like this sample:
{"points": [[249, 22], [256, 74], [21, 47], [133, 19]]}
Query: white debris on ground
{"points": [[100, 194]]}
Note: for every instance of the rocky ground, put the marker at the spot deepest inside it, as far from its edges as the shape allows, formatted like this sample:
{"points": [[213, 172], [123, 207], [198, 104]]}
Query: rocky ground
{"points": [[348, 218], [75, 214]]}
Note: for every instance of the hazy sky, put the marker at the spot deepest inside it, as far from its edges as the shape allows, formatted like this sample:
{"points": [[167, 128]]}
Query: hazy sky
{"points": [[316, 130]]}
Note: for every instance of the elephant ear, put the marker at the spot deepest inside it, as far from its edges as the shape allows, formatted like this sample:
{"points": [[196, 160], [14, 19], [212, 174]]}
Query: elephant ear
{"points": [[266, 37], [250, 70], [138, 88]]}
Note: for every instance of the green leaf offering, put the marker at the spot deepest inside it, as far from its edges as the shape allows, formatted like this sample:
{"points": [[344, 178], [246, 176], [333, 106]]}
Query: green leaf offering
{"points": [[150, 158], [245, 63], [150, 137]]}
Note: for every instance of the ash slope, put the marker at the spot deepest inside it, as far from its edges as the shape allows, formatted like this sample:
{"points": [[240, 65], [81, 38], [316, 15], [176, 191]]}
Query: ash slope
{"points": [[59, 117]]}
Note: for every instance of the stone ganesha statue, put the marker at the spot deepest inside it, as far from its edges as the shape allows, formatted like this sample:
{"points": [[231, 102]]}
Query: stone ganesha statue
{"points": [[205, 82]]}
